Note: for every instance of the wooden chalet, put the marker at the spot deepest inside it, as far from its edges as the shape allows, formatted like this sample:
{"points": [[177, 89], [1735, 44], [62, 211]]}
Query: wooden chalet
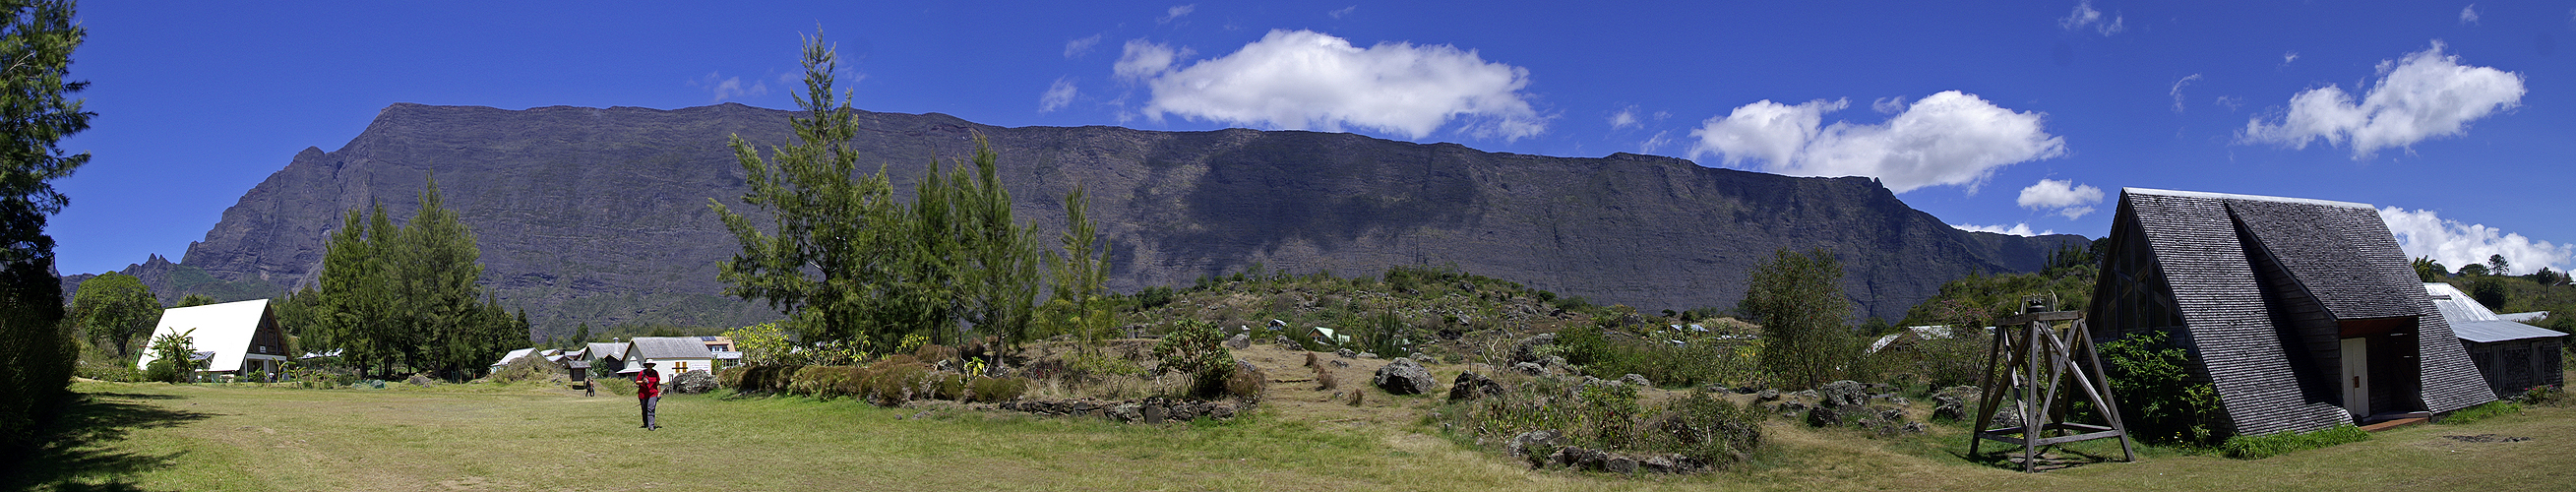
{"points": [[2303, 314]]}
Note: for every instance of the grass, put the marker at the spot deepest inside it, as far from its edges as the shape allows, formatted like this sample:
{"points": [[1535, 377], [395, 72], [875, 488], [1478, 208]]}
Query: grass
{"points": [[535, 437], [2270, 445]]}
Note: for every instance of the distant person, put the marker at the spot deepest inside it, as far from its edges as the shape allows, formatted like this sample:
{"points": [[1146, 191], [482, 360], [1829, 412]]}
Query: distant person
{"points": [[648, 391]]}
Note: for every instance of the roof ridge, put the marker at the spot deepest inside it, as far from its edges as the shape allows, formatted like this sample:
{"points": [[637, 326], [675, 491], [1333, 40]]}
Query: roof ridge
{"points": [[2232, 196]]}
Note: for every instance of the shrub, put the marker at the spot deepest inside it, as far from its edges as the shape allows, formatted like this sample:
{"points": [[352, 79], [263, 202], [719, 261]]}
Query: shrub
{"points": [[1197, 348], [2547, 395], [618, 386], [1246, 382], [2150, 378], [2270, 445], [997, 389], [1708, 428], [693, 382], [891, 381], [934, 353]]}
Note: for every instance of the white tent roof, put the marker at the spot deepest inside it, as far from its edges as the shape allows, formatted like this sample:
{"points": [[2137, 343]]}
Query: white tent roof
{"points": [[225, 329], [513, 355]]}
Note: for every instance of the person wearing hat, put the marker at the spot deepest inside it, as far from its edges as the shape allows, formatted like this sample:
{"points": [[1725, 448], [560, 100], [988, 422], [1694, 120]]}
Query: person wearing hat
{"points": [[648, 391]]}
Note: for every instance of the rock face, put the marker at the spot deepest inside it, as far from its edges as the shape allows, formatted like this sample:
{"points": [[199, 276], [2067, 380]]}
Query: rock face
{"points": [[600, 215]]}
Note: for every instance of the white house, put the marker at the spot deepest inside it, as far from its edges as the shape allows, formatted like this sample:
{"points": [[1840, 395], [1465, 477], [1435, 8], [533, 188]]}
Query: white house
{"points": [[241, 338], [670, 355]]}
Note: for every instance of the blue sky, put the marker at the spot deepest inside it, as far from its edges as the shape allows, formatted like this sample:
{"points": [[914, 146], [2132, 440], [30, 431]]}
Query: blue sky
{"points": [[2454, 118]]}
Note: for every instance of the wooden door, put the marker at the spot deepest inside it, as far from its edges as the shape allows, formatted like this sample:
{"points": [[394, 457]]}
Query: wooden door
{"points": [[2356, 376]]}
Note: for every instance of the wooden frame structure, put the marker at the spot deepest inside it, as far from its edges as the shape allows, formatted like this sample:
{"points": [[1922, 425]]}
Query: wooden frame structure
{"points": [[2039, 361]]}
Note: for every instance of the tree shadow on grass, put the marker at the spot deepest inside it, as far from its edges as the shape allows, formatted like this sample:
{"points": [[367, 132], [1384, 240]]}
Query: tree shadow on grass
{"points": [[77, 450]]}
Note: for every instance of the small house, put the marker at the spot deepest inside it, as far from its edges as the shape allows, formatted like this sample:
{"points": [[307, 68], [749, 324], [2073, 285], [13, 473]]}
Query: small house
{"points": [[2302, 314], [239, 340], [607, 357], [2511, 356], [671, 355]]}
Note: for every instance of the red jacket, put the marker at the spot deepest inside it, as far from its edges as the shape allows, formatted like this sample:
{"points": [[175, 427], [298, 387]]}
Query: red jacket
{"points": [[648, 384]]}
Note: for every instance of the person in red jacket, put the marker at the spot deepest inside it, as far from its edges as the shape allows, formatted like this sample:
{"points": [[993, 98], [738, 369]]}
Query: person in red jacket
{"points": [[648, 391]]}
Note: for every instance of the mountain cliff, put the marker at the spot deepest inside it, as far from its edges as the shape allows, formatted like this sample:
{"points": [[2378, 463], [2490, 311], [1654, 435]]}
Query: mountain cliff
{"points": [[600, 215]]}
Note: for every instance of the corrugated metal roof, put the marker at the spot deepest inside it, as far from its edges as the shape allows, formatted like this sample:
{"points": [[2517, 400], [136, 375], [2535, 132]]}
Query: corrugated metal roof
{"points": [[669, 348], [513, 355], [2474, 322]]}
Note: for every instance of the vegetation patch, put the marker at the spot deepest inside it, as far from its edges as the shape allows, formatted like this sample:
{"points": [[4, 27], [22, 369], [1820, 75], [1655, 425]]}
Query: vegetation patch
{"points": [[2270, 445]]}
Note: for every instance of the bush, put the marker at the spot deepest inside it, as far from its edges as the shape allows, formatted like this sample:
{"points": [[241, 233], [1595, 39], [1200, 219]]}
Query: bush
{"points": [[1197, 348], [2270, 445], [997, 389], [1693, 363], [693, 382], [1709, 428], [2150, 378], [893, 380], [2547, 395], [758, 379], [618, 386], [1246, 382]]}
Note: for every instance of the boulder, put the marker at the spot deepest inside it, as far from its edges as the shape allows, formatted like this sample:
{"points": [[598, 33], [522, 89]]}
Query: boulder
{"points": [[1553, 361], [1470, 386], [1404, 377], [1346, 353], [1825, 417], [693, 382], [1807, 394], [1371, 355], [1636, 380], [1844, 393], [1526, 350], [1767, 395], [1527, 445], [1916, 428], [1283, 341], [1239, 342], [1529, 368]]}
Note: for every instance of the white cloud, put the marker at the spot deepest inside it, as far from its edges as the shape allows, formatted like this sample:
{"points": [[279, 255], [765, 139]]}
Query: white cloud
{"points": [[1308, 80], [2085, 16], [2426, 95], [1142, 59], [1655, 143], [2177, 90], [1176, 12], [1078, 47], [1343, 12], [1057, 95], [2070, 199], [2421, 233], [2289, 56], [1626, 117], [2469, 14], [1950, 138], [723, 87], [1888, 105], [2016, 229], [2232, 103]]}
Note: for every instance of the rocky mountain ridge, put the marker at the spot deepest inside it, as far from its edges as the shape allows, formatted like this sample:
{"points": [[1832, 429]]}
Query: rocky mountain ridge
{"points": [[599, 215]]}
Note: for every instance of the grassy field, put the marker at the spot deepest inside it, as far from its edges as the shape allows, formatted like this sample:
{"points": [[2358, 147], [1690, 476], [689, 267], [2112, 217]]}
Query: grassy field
{"points": [[460, 437]]}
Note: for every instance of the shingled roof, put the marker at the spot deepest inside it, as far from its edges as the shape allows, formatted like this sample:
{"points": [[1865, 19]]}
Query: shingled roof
{"points": [[2213, 252]]}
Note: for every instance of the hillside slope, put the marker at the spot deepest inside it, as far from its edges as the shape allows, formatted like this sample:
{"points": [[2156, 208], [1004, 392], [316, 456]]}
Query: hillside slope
{"points": [[600, 215]]}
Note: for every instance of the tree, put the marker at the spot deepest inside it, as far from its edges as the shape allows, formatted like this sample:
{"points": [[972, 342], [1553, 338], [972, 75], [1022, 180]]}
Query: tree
{"points": [[581, 335], [2489, 291], [1080, 306], [829, 258], [36, 42], [850, 265], [2497, 266], [115, 308], [2428, 270], [193, 300], [407, 295], [2473, 270], [175, 353], [1797, 299], [2545, 277]]}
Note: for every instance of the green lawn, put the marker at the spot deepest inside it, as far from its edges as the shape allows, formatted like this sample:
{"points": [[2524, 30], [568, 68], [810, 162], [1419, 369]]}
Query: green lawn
{"points": [[164, 437]]}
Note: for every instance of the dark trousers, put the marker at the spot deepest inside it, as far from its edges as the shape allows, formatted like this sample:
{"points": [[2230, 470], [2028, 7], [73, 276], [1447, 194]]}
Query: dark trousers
{"points": [[648, 402]]}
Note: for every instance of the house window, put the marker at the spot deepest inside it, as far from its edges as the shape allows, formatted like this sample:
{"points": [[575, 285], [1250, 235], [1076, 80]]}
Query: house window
{"points": [[683, 366]]}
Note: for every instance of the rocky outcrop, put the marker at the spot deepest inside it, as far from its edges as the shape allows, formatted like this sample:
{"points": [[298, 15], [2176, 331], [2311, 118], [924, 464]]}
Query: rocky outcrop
{"points": [[1405, 377], [600, 215]]}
